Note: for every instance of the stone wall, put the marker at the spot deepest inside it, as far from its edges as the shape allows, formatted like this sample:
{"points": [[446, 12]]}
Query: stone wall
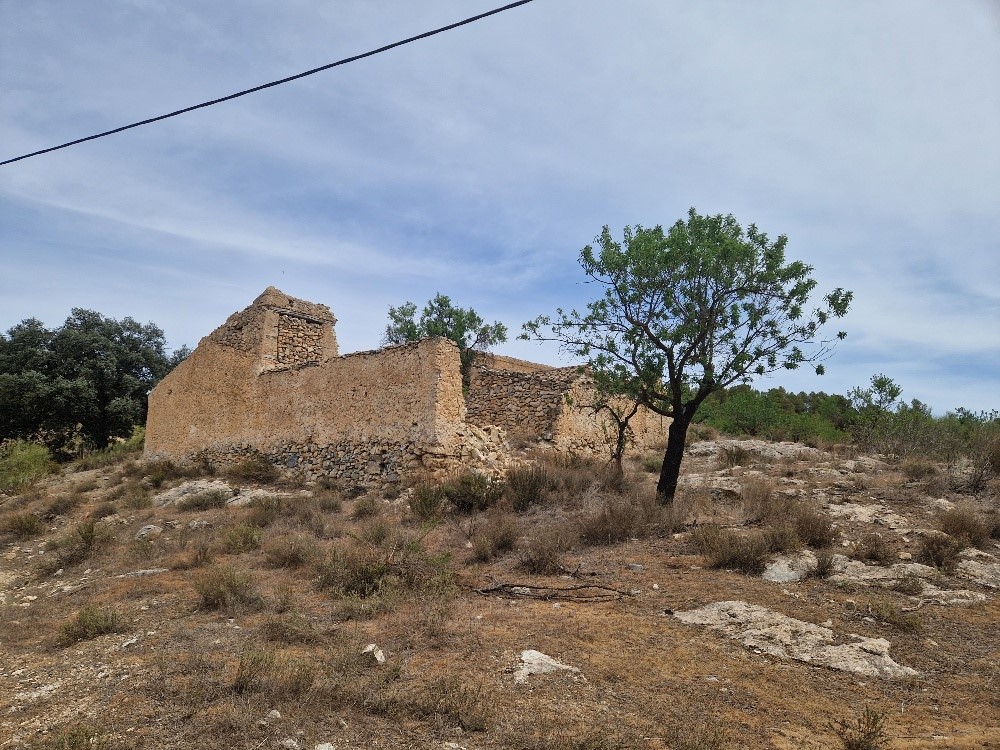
{"points": [[526, 404]]}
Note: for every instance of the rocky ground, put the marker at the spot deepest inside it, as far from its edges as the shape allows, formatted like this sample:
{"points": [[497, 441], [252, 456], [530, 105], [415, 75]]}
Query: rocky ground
{"points": [[144, 609]]}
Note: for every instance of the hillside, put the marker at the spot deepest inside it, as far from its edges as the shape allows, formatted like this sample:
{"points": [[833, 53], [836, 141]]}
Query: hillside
{"points": [[144, 607]]}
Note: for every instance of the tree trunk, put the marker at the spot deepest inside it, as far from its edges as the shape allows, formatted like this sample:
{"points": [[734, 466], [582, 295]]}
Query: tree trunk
{"points": [[671, 470]]}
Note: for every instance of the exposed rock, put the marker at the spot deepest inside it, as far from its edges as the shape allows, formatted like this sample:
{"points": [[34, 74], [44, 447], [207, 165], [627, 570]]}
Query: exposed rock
{"points": [[190, 489], [758, 447], [980, 567], [776, 634], [150, 531], [875, 513], [789, 568], [143, 573], [376, 654], [535, 662]]}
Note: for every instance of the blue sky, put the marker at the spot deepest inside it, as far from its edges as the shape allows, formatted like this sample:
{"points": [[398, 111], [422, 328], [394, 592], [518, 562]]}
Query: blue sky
{"points": [[479, 162]]}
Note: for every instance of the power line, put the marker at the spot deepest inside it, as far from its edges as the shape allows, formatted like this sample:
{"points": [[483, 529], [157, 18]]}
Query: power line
{"points": [[346, 60]]}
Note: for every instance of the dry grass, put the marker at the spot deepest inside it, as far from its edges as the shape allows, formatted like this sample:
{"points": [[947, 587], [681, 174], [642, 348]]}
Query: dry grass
{"points": [[224, 639]]}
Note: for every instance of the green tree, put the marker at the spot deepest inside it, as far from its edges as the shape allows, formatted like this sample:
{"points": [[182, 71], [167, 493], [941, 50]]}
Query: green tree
{"points": [[86, 380], [688, 311], [440, 318]]}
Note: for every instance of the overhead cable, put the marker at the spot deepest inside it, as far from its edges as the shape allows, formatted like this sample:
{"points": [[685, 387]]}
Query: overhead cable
{"points": [[346, 60]]}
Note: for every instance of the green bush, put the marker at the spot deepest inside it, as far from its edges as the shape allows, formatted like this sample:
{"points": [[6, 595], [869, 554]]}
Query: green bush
{"points": [[22, 463], [471, 492], [22, 525], [90, 622], [227, 588], [115, 453], [242, 538]]}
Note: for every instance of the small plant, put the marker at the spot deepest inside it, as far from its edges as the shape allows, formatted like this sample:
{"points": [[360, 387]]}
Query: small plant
{"points": [[908, 622], [918, 469], [90, 622], [329, 500], [471, 492], [226, 588], [206, 500], [526, 485], [367, 506], [542, 552], [242, 538], [61, 505], [255, 665], [652, 462], [496, 535], [824, 566], [265, 510], [428, 502], [615, 521], [813, 527], [295, 677], [22, 464], [724, 548], [867, 732], [940, 551], [966, 525], [781, 537], [103, 511], [872, 547], [291, 551], [22, 525], [116, 453], [731, 456], [77, 737], [254, 468], [910, 585]]}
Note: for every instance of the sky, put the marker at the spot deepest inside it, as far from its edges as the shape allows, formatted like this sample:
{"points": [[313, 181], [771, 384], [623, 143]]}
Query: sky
{"points": [[479, 162]]}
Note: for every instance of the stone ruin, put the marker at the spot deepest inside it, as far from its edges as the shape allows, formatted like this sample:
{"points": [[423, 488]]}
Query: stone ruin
{"points": [[271, 381]]}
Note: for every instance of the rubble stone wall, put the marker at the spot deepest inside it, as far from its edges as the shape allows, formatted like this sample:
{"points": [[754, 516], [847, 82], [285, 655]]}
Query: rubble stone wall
{"points": [[526, 404]]}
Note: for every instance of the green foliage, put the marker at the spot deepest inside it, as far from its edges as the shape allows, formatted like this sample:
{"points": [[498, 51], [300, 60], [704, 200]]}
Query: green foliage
{"points": [[22, 463], [22, 525], [81, 384], [243, 538], [471, 491], [428, 501], [440, 318], [940, 551], [867, 732], [779, 414], [89, 622], [206, 500], [115, 453], [689, 311]]}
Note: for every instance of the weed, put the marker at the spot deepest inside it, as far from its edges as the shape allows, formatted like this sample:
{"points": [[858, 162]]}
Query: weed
{"points": [[255, 665], [329, 500], [908, 622], [428, 502], [872, 547], [89, 622], [781, 537], [61, 506], [207, 500], [616, 520], [731, 456], [265, 510], [917, 469], [758, 499], [704, 737], [22, 525], [824, 566], [542, 551], [526, 485], [226, 588], [724, 548], [471, 491], [291, 551], [254, 468], [367, 506], [289, 630], [967, 526], [941, 551], [77, 737], [910, 585], [242, 538], [103, 511], [496, 535], [813, 527], [867, 732], [652, 463], [23, 463], [295, 677]]}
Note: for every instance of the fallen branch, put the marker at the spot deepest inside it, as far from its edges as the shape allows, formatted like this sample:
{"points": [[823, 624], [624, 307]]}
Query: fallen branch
{"points": [[580, 593]]}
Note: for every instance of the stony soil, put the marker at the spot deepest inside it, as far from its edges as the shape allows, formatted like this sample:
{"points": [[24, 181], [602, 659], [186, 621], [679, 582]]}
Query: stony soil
{"points": [[458, 647]]}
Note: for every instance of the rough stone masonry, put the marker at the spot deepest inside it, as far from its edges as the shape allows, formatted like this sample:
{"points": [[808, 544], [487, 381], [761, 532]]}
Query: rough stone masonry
{"points": [[270, 381]]}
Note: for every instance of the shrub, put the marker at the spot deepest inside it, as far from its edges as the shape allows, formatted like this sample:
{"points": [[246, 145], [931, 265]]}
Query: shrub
{"points": [[329, 500], [526, 485], [428, 502], [781, 537], [866, 733], [115, 453], [291, 551], [77, 737], [813, 527], [652, 463], [917, 469], [824, 565], [758, 500], [89, 622], [872, 547], [966, 525], [367, 506], [22, 463], [616, 520], [731, 456], [265, 510], [206, 500], [242, 538], [103, 511], [378, 563], [941, 551], [254, 666], [22, 525], [541, 553], [471, 491], [908, 622], [725, 548], [496, 535], [226, 588], [254, 468]]}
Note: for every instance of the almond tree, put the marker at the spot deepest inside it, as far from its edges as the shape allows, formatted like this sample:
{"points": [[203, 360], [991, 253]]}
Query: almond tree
{"points": [[689, 311]]}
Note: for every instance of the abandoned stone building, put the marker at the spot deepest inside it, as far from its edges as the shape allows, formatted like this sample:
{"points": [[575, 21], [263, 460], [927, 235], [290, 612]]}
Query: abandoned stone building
{"points": [[271, 380]]}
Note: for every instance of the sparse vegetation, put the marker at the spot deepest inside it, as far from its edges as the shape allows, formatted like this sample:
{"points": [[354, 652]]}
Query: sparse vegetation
{"points": [[23, 525], [724, 548], [22, 463], [90, 622], [242, 538], [966, 525], [226, 588], [940, 550], [873, 547], [867, 732], [206, 500]]}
